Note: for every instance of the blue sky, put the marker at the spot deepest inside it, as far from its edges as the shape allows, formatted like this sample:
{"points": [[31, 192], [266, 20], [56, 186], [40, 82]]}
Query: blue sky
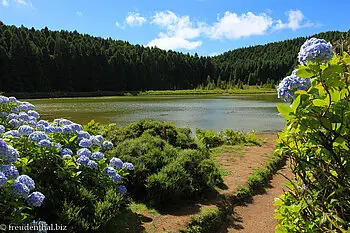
{"points": [[207, 27]]}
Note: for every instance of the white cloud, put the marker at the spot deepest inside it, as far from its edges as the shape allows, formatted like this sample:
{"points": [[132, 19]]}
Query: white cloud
{"points": [[295, 19], [180, 31], [80, 14], [174, 43], [24, 3], [5, 3], [135, 19], [233, 26]]}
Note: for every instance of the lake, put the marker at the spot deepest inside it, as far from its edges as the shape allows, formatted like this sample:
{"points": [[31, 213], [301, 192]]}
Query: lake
{"points": [[245, 113]]}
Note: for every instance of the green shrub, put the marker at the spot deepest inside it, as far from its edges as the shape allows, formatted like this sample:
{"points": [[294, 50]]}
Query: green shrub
{"points": [[316, 138], [209, 138], [169, 186], [166, 130], [208, 221], [169, 167]]}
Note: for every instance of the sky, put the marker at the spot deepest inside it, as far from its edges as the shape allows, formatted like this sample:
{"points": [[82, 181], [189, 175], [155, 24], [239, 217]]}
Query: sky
{"points": [[206, 27]]}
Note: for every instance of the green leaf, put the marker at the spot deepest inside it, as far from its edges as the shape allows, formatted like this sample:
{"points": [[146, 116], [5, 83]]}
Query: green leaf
{"points": [[319, 103], [296, 104], [284, 109], [72, 139], [305, 72]]}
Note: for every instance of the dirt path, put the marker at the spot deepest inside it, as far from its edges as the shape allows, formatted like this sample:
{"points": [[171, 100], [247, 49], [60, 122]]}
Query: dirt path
{"points": [[258, 216], [239, 166]]}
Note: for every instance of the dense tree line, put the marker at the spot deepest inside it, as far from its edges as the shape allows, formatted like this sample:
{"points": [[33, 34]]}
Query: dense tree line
{"points": [[45, 61]]}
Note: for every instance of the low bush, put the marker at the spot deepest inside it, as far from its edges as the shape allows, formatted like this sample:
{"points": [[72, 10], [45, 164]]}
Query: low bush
{"points": [[170, 166], [208, 221]]}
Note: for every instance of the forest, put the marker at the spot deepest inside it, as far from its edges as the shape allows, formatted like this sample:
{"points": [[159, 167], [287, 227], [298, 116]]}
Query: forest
{"points": [[47, 61]]}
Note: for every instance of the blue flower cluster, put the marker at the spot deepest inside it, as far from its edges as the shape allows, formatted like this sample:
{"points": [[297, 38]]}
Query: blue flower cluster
{"points": [[315, 50], [22, 122], [22, 184], [290, 84]]}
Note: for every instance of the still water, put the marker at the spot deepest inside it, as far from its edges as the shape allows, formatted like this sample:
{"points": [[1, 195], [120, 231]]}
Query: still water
{"points": [[217, 113]]}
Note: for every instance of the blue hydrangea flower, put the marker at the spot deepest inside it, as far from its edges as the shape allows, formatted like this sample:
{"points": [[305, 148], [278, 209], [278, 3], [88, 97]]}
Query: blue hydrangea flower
{"points": [[83, 160], [27, 181], [58, 145], [97, 155], [9, 170], [96, 140], [20, 190], [85, 143], [12, 133], [83, 134], [84, 152], [36, 199], [110, 171], [49, 129], [12, 99], [92, 165], [40, 127], [23, 107], [62, 121], [45, 123], [116, 163], [290, 84], [128, 166], [4, 100], [3, 147], [315, 50], [67, 129], [14, 123], [25, 130], [24, 116], [117, 178], [33, 114], [3, 179], [57, 129], [76, 127], [45, 143], [37, 136], [31, 118], [14, 110], [12, 116], [2, 129], [66, 151], [122, 189], [107, 145], [32, 123], [12, 155]]}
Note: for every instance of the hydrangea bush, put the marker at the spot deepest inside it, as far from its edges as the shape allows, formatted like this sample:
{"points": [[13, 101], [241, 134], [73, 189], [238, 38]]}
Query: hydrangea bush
{"points": [[317, 138], [56, 171]]}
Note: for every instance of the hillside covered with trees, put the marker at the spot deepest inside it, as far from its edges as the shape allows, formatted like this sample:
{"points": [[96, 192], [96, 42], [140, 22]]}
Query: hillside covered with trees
{"points": [[47, 61]]}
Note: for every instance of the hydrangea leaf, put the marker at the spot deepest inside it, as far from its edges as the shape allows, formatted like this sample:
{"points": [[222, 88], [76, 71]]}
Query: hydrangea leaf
{"points": [[305, 72], [296, 104], [284, 109], [319, 102]]}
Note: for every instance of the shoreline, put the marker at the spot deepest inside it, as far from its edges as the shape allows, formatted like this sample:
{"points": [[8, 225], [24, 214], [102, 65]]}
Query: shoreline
{"points": [[194, 92]]}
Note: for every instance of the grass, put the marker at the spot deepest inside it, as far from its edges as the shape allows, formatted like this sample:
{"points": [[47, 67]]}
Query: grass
{"points": [[238, 149], [248, 90], [141, 208]]}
